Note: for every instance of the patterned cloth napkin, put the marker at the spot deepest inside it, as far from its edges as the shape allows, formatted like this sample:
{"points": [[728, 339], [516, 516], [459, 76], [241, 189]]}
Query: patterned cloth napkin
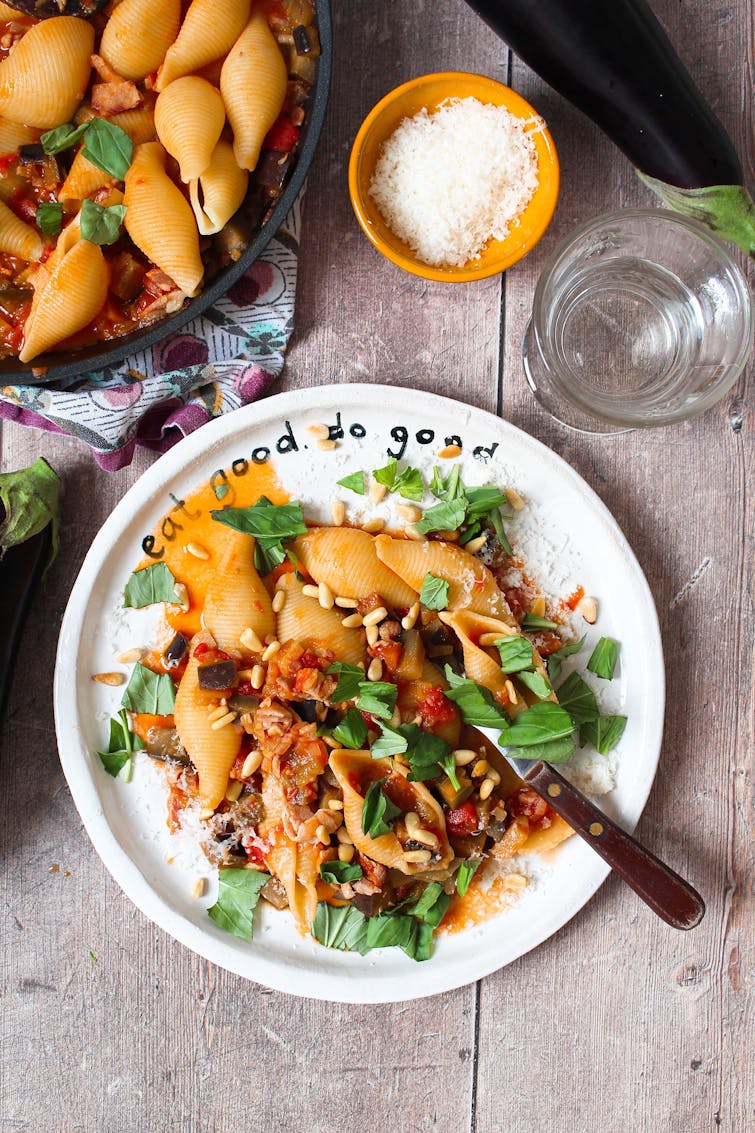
{"points": [[226, 358]]}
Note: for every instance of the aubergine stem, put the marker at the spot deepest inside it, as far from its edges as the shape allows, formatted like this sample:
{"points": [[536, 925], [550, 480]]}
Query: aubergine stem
{"points": [[21, 569], [613, 60]]}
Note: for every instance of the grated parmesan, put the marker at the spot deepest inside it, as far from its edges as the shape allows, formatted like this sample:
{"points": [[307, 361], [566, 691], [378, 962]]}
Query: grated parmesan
{"points": [[446, 183]]}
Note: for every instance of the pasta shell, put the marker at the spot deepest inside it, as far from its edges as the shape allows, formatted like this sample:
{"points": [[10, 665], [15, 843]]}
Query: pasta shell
{"points": [[355, 771], [159, 219], [344, 559], [219, 192], [13, 135], [236, 598], [138, 34], [84, 177], [209, 31], [253, 82], [412, 694], [212, 751], [303, 619], [68, 296], [540, 841], [470, 584], [18, 238], [189, 118], [44, 78]]}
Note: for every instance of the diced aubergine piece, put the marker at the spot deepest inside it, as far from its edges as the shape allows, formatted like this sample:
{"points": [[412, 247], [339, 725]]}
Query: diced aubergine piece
{"points": [[164, 744], [32, 152], [217, 676], [301, 40], [451, 796], [242, 703], [176, 651]]}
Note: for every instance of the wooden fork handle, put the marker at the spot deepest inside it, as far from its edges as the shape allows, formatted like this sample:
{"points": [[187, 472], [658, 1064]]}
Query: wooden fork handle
{"points": [[667, 894]]}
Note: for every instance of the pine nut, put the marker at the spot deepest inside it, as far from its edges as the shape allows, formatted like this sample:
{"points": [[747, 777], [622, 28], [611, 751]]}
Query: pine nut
{"points": [[338, 512], [449, 452], [475, 545], [372, 634], [343, 836], [352, 622], [251, 764], [377, 492], [375, 671], [588, 608], [257, 678], [326, 445], [199, 887], [319, 432], [421, 857], [425, 837], [511, 692], [346, 603], [182, 596], [244, 674], [464, 755], [345, 853], [279, 601], [409, 621], [322, 835], [325, 596], [113, 679], [375, 616], [331, 742], [514, 499], [130, 656], [486, 788], [374, 526], [395, 719], [223, 721], [270, 650], [250, 640], [493, 775], [335, 804], [409, 512], [197, 551], [480, 768], [235, 787], [310, 591], [217, 712], [413, 534]]}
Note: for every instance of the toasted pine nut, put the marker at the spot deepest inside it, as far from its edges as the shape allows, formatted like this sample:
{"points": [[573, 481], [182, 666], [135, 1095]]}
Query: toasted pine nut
{"points": [[375, 671], [199, 887], [322, 835], [449, 452], [352, 621], [217, 712], [279, 601], [331, 742], [588, 608], [250, 640], [372, 634], [373, 526], [257, 678], [234, 789], [338, 512], [409, 512], [395, 719], [325, 596], [410, 619], [251, 763], [411, 821], [511, 692], [475, 545], [130, 656], [464, 755], [345, 852], [327, 445], [426, 837], [538, 607], [270, 650], [319, 432], [375, 616], [514, 499], [223, 721], [493, 775], [480, 768], [346, 603], [244, 674], [310, 591], [486, 788], [413, 534], [182, 596], [113, 679], [419, 856], [197, 551], [335, 804], [343, 836], [377, 492]]}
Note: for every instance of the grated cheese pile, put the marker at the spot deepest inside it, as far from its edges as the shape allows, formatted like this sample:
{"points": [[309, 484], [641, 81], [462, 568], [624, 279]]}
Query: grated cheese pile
{"points": [[448, 182]]}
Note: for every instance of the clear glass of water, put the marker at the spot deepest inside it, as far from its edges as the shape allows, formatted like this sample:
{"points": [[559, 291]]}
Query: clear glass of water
{"points": [[640, 318]]}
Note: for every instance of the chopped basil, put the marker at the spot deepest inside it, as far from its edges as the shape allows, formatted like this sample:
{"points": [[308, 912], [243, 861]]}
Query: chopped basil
{"points": [[406, 932], [427, 755], [407, 483], [476, 704], [516, 654], [483, 501], [553, 751], [339, 872], [434, 592], [536, 683], [603, 733], [378, 812], [270, 524], [121, 747], [108, 147], [390, 742], [349, 679], [341, 927], [603, 658], [432, 905], [377, 697], [101, 224], [155, 583], [534, 621], [464, 875], [555, 660], [576, 696], [537, 725], [238, 894], [352, 730], [442, 517], [49, 217], [63, 137], [481, 506], [355, 483], [153, 693]]}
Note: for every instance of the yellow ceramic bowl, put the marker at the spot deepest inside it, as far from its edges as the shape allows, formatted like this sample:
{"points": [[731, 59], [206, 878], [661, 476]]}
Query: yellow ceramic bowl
{"points": [[429, 91]]}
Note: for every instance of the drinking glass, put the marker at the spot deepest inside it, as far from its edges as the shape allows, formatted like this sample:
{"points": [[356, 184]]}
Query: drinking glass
{"points": [[640, 318]]}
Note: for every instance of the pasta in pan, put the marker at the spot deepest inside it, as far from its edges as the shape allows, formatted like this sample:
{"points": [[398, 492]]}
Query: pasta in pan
{"points": [[315, 697]]}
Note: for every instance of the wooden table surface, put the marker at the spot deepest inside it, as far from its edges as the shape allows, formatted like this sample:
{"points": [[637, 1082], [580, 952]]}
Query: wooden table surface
{"points": [[617, 1023]]}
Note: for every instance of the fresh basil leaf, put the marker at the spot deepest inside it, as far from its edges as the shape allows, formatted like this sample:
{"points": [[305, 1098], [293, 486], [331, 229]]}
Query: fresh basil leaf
{"points": [[29, 501], [442, 517], [378, 698], [238, 894], [496, 522], [352, 730], [476, 704], [108, 147], [483, 501], [409, 484], [536, 683], [427, 755], [121, 746], [420, 945], [449, 488], [434, 592], [537, 725], [355, 483], [534, 621], [155, 583], [603, 658], [603, 733], [387, 475], [349, 679], [340, 872], [515, 653], [264, 519], [464, 875], [49, 217], [101, 224], [378, 812], [63, 137], [555, 660], [432, 905], [576, 696], [552, 751], [400, 930], [267, 556], [392, 741], [341, 927], [149, 692]]}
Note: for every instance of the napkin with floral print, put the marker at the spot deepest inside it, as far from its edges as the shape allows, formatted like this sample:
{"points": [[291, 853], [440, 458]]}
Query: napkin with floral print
{"points": [[226, 358]]}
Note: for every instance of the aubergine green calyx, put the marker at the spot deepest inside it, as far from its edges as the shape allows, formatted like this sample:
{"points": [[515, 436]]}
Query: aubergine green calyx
{"points": [[614, 61], [29, 502]]}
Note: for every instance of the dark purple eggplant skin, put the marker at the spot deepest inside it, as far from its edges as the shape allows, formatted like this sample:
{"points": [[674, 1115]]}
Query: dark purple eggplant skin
{"points": [[614, 61]]}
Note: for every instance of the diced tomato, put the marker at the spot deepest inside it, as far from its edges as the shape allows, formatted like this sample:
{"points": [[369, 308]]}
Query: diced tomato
{"points": [[310, 661], [574, 599], [306, 679], [6, 160], [436, 708], [256, 850], [244, 688], [462, 819], [282, 135], [389, 652], [526, 803], [517, 600], [201, 649]]}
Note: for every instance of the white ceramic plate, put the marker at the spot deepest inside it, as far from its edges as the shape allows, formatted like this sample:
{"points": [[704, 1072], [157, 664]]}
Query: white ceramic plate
{"points": [[568, 537]]}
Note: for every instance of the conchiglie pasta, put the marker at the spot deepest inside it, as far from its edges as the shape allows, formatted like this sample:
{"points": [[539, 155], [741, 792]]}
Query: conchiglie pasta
{"points": [[189, 118], [159, 219], [209, 31], [212, 751], [412, 693], [70, 290], [13, 135], [18, 238], [84, 177], [138, 34], [540, 841], [43, 79], [236, 598], [355, 771], [344, 558], [303, 619], [219, 192], [253, 83], [470, 584]]}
